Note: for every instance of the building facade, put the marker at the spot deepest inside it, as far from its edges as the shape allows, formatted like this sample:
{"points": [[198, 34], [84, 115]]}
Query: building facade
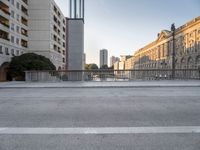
{"points": [[31, 26], [103, 57], [123, 63], [159, 54], [113, 60], [47, 31], [129, 63], [13, 31]]}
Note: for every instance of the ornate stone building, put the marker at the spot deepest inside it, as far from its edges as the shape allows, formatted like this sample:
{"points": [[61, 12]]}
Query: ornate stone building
{"points": [[158, 54]]}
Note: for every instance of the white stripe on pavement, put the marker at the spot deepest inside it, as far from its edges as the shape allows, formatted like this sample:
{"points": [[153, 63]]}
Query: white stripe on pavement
{"points": [[110, 130]]}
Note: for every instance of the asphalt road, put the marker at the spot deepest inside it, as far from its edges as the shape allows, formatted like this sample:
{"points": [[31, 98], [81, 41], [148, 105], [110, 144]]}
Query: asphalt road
{"points": [[99, 108]]}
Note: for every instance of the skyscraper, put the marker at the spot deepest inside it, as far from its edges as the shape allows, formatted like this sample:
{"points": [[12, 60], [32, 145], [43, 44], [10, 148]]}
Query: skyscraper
{"points": [[103, 57]]}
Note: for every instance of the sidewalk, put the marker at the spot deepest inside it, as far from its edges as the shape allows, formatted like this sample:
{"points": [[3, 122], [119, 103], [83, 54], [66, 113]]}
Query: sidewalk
{"points": [[132, 84]]}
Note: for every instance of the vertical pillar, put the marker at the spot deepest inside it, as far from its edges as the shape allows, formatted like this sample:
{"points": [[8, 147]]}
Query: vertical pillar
{"points": [[70, 8], [83, 11], [75, 9], [80, 3]]}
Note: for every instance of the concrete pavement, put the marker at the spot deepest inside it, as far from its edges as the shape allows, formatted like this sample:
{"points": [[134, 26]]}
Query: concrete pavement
{"points": [[139, 118], [160, 83]]}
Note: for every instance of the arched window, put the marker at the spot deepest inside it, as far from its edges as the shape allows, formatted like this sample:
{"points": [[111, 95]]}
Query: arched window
{"points": [[190, 63]]}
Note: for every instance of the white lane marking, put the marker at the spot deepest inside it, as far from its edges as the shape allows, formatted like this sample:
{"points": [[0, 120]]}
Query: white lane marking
{"points": [[95, 131]]}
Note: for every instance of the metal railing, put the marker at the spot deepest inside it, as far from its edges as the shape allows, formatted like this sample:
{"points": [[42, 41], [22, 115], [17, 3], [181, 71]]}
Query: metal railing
{"points": [[112, 75]]}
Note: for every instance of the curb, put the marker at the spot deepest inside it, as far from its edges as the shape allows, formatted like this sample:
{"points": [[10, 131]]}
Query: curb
{"points": [[85, 87]]}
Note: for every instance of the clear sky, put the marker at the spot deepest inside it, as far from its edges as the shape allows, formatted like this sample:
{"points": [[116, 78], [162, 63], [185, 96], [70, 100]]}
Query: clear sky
{"points": [[124, 26]]}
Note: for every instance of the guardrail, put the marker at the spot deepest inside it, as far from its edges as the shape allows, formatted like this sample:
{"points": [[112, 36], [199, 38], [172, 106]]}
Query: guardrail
{"points": [[112, 75]]}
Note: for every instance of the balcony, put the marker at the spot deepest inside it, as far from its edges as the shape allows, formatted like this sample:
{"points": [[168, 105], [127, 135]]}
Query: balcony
{"points": [[24, 10], [4, 35], [24, 21], [25, 1], [24, 43], [24, 32], [4, 28], [5, 3], [4, 21], [4, 10]]}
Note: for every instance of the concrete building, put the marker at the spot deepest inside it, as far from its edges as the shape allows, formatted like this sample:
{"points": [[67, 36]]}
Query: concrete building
{"points": [[103, 57], [129, 63], [113, 60], [47, 31], [75, 36], [158, 54], [13, 31], [120, 65]]}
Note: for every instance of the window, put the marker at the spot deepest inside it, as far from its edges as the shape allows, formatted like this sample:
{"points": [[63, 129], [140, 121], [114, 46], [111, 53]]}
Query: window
{"points": [[1, 49], [18, 5], [63, 60], [13, 52], [18, 29], [6, 51], [12, 2], [17, 41], [18, 17], [12, 14], [17, 52], [13, 27], [12, 39]]}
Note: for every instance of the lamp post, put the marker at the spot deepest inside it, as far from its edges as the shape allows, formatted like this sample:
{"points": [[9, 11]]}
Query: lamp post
{"points": [[173, 29]]}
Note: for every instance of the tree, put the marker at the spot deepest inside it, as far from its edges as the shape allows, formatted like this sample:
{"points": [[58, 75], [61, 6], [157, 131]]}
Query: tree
{"points": [[91, 67], [26, 62], [104, 67]]}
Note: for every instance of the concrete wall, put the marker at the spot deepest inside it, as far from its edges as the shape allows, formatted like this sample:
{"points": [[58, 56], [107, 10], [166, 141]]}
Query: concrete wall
{"points": [[75, 44]]}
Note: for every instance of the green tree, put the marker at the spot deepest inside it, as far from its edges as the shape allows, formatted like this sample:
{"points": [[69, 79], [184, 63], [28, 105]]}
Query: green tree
{"points": [[91, 67], [26, 62], [104, 67]]}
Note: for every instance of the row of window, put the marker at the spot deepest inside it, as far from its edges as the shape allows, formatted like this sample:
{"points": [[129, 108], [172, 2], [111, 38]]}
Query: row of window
{"points": [[16, 3], [59, 14], [17, 29], [58, 31], [18, 18], [11, 52]]}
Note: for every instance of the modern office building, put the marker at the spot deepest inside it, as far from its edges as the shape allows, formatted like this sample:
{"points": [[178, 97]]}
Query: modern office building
{"points": [[103, 57], [47, 31], [13, 31]]}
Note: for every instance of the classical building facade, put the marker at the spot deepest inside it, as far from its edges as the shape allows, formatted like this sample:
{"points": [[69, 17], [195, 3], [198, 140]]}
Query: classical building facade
{"points": [[158, 54]]}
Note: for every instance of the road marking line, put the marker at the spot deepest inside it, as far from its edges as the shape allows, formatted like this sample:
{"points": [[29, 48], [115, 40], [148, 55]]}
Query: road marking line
{"points": [[95, 131]]}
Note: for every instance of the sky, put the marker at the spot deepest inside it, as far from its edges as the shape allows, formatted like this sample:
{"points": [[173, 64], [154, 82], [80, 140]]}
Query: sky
{"points": [[124, 26]]}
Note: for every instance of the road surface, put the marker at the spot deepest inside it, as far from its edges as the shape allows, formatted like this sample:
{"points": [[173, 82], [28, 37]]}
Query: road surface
{"points": [[162, 118]]}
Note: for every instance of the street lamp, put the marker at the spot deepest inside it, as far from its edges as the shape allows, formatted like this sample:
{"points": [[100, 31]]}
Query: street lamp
{"points": [[173, 29]]}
